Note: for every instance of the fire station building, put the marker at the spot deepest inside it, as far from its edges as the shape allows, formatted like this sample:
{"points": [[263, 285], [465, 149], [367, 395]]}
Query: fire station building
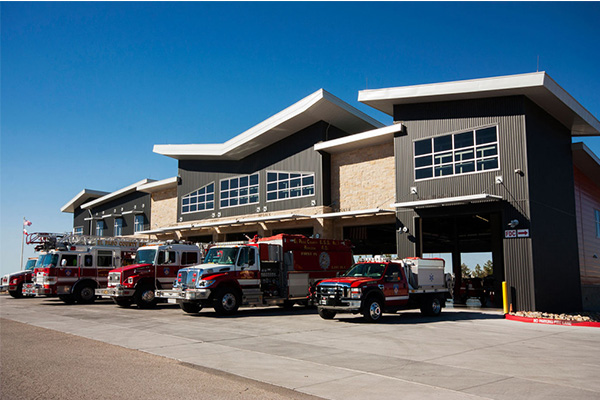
{"points": [[477, 166]]}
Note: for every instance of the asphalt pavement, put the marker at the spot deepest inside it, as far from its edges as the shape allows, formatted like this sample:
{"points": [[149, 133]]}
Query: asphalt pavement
{"points": [[463, 354]]}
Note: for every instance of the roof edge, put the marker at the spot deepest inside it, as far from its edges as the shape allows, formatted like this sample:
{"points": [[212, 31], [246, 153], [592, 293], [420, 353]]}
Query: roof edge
{"points": [[117, 193]]}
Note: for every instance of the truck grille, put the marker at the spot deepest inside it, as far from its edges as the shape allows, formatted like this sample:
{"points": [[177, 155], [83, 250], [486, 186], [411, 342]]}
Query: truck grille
{"points": [[114, 278], [337, 290]]}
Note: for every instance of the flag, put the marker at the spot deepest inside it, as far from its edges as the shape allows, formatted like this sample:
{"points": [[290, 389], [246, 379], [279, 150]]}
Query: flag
{"points": [[24, 231], [26, 222]]}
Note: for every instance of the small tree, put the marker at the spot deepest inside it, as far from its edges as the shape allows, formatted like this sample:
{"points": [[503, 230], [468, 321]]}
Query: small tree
{"points": [[478, 272], [465, 272], [488, 268]]}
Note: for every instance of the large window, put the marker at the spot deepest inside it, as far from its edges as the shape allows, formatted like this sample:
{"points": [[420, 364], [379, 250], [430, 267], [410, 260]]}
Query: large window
{"points": [[597, 213], [457, 154], [100, 228], [239, 191], [138, 223], [200, 200], [288, 185], [118, 226]]}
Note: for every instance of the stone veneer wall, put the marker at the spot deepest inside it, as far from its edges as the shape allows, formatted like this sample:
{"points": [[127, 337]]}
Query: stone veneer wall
{"points": [[363, 178], [163, 209]]}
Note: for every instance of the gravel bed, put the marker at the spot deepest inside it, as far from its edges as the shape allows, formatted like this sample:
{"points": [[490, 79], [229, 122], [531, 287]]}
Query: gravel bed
{"points": [[577, 317]]}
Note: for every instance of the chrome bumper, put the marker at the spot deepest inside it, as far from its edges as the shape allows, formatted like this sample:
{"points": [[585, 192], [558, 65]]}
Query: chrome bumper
{"points": [[188, 294], [342, 305], [30, 289], [114, 292]]}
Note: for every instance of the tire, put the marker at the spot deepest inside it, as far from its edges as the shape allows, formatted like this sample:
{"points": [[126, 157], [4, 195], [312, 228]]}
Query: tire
{"points": [[372, 309], [17, 294], [144, 297], [227, 301], [84, 294], [288, 305], [190, 308], [326, 314], [126, 302], [431, 306], [67, 298]]}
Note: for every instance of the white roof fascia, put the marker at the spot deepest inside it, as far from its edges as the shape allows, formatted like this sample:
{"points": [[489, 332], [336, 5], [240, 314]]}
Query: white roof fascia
{"points": [[219, 223], [81, 197], [320, 105], [158, 186], [537, 86], [353, 213], [447, 200], [271, 218], [360, 140], [113, 195], [149, 232]]}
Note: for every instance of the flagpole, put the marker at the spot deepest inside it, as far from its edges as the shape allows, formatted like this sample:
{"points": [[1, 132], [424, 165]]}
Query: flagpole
{"points": [[22, 241]]}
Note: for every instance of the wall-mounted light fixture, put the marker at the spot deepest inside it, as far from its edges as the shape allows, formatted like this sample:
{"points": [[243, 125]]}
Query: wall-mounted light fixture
{"points": [[513, 223]]}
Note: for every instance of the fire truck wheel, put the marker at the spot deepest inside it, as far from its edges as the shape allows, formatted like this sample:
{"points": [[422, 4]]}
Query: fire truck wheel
{"points": [[84, 294], [372, 310], [67, 298], [326, 314], [17, 294], [123, 302], [431, 306], [144, 297], [191, 308], [227, 301]]}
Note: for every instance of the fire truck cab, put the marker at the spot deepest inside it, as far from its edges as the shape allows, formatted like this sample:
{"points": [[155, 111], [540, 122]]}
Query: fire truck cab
{"points": [[155, 267]]}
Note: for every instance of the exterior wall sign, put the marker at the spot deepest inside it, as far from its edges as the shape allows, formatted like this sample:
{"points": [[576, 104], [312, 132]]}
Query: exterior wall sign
{"points": [[516, 233]]}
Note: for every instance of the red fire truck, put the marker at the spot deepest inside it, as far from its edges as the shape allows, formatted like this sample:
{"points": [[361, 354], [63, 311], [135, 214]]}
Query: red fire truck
{"points": [[277, 270], [13, 283], [380, 285], [78, 265], [155, 266]]}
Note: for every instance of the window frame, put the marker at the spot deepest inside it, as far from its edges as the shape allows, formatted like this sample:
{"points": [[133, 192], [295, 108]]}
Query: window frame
{"points": [[138, 226], [454, 152], [230, 189], [118, 226], [288, 189], [100, 227], [197, 197], [78, 230], [597, 222]]}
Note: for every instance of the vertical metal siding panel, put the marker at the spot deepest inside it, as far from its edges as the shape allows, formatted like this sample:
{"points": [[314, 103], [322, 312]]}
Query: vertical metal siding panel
{"points": [[437, 119]]}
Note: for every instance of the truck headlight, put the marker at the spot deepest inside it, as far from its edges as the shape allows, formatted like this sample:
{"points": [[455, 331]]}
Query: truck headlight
{"points": [[202, 283], [355, 293], [130, 280]]}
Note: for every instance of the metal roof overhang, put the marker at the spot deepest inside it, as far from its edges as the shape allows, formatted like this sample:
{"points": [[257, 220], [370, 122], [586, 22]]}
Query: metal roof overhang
{"points": [[447, 201], [319, 106], [537, 86], [121, 192], [82, 197], [361, 140], [342, 214], [156, 186]]}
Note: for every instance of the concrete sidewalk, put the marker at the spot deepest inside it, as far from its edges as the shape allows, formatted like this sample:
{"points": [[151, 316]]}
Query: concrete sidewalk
{"points": [[462, 354]]}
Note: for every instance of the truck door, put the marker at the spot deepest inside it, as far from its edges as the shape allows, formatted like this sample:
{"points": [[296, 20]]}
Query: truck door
{"points": [[395, 287], [246, 268], [104, 263]]}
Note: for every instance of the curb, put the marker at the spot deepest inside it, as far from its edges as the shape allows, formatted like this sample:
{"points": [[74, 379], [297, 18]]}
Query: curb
{"points": [[548, 321]]}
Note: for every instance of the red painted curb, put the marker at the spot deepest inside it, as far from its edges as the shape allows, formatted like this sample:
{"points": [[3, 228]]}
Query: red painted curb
{"points": [[548, 321]]}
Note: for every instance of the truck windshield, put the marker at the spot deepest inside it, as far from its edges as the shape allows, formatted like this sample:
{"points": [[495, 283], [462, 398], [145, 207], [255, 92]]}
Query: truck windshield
{"points": [[50, 260], [145, 257], [40, 261], [221, 255], [30, 265], [369, 270]]}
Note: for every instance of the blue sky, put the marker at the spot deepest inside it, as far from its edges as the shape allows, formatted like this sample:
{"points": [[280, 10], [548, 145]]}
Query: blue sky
{"points": [[88, 88]]}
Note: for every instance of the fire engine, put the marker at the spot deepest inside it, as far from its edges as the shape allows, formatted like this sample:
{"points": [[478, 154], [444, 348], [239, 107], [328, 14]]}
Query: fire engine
{"points": [[381, 285], [13, 283], [277, 270], [155, 266], [78, 264]]}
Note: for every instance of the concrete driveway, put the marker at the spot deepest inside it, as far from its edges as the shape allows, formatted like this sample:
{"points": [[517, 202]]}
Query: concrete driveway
{"points": [[463, 354]]}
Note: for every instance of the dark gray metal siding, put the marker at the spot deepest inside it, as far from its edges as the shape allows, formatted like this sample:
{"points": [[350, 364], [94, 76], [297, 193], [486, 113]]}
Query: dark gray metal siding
{"points": [[436, 119], [529, 140], [294, 153], [79, 216], [553, 215], [138, 201]]}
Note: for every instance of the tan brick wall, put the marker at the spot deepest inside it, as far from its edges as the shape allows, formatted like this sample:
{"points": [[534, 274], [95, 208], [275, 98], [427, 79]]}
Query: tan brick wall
{"points": [[163, 209], [363, 178]]}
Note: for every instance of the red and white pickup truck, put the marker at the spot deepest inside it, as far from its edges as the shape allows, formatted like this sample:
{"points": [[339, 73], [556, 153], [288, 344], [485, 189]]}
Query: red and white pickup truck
{"points": [[377, 286]]}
